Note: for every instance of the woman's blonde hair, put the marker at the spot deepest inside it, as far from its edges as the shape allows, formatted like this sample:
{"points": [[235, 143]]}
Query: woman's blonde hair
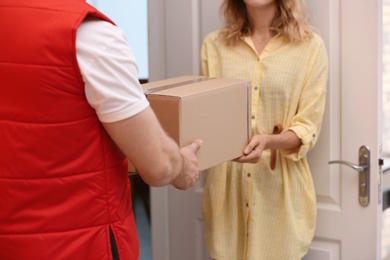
{"points": [[291, 20]]}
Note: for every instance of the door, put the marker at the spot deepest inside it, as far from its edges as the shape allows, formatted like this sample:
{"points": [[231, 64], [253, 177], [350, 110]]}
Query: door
{"points": [[346, 229], [352, 32]]}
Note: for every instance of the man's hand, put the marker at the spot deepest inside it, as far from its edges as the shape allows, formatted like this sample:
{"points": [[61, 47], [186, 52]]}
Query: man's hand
{"points": [[191, 170]]}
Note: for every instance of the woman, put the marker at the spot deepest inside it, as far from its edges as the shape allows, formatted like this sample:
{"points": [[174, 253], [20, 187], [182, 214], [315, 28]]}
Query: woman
{"points": [[262, 206]]}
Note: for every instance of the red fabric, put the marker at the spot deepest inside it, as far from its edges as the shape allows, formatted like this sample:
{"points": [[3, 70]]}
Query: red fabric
{"points": [[63, 182]]}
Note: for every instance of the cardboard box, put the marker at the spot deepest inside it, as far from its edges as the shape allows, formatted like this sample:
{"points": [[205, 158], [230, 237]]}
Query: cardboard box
{"points": [[216, 110]]}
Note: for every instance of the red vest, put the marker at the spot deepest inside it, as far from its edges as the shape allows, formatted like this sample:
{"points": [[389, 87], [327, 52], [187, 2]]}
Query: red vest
{"points": [[64, 190]]}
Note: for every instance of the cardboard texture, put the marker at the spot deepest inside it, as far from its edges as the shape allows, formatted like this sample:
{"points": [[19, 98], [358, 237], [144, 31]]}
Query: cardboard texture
{"points": [[216, 110]]}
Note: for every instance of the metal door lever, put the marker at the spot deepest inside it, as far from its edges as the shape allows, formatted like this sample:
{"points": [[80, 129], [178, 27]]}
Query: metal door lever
{"points": [[359, 168], [364, 174]]}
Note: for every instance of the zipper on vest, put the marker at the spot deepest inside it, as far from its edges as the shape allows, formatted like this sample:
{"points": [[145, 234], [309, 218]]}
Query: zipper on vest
{"points": [[114, 248]]}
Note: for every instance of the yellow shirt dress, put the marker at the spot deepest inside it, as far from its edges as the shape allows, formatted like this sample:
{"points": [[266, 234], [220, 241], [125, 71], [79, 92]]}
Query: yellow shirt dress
{"points": [[251, 211]]}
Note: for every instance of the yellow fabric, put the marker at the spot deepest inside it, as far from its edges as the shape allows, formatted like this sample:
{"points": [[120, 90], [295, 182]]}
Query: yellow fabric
{"points": [[250, 211]]}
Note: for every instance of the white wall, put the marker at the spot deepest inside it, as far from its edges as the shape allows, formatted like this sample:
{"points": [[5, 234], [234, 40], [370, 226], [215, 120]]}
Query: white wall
{"points": [[131, 17]]}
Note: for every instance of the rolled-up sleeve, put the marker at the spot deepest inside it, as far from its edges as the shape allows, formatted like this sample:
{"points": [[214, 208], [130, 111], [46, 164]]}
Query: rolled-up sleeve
{"points": [[306, 124]]}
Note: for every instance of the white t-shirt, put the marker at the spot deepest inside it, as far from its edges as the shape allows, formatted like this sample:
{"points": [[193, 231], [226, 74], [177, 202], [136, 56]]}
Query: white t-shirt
{"points": [[109, 70]]}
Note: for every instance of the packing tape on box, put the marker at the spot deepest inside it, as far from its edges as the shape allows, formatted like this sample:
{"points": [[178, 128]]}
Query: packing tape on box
{"points": [[182, 83]]}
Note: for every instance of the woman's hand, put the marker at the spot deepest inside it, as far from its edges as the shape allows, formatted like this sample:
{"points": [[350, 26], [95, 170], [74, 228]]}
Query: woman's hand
{"points": [[254, 149], [285, 141]]}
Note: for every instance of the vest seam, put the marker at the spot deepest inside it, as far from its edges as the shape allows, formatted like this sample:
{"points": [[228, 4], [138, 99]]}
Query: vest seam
{"points": [[62, 176], [106, 182], [39, 8], [36, 65], [48, 123], [76, 67], [58, 232]]}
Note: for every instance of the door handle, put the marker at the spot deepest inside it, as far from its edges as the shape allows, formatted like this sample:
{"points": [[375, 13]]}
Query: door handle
{"points": [[364, 174], [358, 168]]}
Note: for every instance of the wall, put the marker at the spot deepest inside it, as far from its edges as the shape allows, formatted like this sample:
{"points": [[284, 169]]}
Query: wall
{"points": [[131, 17]]}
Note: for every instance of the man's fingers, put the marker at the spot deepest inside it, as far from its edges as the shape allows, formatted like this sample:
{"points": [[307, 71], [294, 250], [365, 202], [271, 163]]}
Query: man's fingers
{"points": [[195, 146]]}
